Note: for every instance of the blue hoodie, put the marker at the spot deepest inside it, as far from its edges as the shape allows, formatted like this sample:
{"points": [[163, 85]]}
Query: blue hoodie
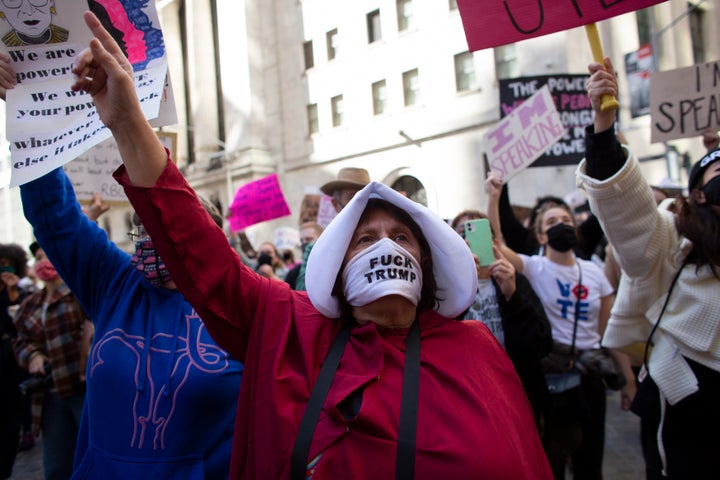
{"points": [[161, 395]]}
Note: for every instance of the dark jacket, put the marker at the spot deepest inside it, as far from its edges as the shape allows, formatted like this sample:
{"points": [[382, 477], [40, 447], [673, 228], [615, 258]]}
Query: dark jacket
{"points": [[528, 339]]}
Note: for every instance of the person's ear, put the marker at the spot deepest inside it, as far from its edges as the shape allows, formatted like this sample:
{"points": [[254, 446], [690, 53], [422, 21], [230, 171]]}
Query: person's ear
{"points": [[698, 196], [542, 238]]}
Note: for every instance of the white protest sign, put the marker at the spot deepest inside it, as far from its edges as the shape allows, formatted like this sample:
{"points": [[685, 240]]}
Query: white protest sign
{"points": [[33, 23], [92, 171], [685, 102], [40, 151], [524, 135], [44, 63], [286, 238], [326, 211]]}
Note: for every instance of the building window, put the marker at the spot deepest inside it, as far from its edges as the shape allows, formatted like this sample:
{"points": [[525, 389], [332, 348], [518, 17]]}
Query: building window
{"points": [[404, 14], [464, 72], [336, 104], [331, 39], [452, 4], [379, 96], [312, 118], [411, 87], [309, 57], [697, 33], [644, 26], [506, 63], [373, 26]]}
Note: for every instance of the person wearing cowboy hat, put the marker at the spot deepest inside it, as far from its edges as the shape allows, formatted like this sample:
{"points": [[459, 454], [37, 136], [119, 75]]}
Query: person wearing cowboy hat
{"points": [[366, 375], [350, 180]]}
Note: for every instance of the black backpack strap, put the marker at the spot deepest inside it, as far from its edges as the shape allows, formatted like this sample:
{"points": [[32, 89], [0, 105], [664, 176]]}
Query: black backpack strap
{"points": [[407, 431], [405, 466], [301, 448]]}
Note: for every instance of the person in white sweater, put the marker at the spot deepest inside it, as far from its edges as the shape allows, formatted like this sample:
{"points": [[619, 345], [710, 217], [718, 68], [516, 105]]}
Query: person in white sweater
{"points": [[669, 296]]}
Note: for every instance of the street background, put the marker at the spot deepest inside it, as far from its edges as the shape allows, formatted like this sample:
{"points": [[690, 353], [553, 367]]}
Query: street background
{"points": [[623, 455]]}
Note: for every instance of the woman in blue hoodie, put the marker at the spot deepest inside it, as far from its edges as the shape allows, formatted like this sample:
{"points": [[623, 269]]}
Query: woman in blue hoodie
{"points": [[161, 395]]}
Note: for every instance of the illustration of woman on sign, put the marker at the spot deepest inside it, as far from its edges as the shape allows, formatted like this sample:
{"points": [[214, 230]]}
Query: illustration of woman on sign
{"points": [[129, 24], [31, 22]]}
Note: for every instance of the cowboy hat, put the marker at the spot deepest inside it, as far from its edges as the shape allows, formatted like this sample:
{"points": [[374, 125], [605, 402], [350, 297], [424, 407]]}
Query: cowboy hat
{"points": [[347, 178]]}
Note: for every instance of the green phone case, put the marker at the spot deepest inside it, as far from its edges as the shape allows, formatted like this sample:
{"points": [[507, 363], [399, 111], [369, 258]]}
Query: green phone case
{"points": [[479, 237]]}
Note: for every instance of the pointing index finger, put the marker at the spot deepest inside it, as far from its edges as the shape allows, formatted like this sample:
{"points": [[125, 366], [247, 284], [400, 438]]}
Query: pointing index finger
{"points": [[97, 29]]}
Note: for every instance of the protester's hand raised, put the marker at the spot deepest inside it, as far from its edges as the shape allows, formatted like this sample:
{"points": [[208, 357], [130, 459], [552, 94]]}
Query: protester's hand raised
{"points": [[7, 75], [493, 185], [96, 208], [602, 82], [711, 139], [103, 71]]}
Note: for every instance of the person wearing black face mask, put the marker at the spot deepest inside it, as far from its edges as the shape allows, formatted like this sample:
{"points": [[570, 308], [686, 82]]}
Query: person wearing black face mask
{"points": [[561, 237], [668, 296], [577, 298]]}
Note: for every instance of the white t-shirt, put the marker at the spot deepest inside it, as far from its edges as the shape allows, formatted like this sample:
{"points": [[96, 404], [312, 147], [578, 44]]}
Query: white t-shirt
{"points": [[557, 287], [485, 308]]}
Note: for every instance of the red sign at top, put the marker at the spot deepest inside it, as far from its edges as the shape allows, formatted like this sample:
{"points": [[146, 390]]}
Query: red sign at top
{"points": [[491, 23]]}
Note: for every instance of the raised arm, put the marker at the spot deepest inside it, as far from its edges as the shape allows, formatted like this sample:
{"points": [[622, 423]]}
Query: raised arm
{"points": [[604, 154], [203, 265], [78, 248], [619, 195], [493, 187], [105, 73]]}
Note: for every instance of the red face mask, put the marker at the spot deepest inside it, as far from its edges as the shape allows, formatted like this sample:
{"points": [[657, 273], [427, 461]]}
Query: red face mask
{"points": [[45, 270]]}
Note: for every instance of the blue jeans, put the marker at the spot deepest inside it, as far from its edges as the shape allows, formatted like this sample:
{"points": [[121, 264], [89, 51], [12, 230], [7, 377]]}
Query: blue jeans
{"points": [[60, 423]]}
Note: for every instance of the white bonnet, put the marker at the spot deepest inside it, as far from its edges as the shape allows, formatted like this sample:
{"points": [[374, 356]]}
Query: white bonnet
{"points": [[453, 264]]}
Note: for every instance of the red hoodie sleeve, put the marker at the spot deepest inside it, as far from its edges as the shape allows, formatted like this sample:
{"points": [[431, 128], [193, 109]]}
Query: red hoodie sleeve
{"points": [[206, 269]]}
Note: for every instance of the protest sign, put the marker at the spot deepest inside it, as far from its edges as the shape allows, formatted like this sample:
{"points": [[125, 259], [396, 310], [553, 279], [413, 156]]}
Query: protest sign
{"points": [[572, 104], [92, 171], [638, 67], [491, 23], [326, 211], [56, 125], [520, 138], [286, 238], [685, 102], [309, 208], [257, 202], [47, 124]]}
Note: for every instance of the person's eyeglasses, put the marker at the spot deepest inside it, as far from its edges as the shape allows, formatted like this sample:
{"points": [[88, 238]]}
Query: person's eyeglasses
{"points": [[17, 3], [137, 233]]}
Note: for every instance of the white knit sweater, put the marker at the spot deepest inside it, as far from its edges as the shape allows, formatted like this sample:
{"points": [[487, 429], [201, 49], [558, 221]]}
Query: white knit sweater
{"points": [[650, 252]]}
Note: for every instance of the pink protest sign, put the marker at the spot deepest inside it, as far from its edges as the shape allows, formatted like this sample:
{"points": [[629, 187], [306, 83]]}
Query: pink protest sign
{"points": [[491, 23], [257, 202]]}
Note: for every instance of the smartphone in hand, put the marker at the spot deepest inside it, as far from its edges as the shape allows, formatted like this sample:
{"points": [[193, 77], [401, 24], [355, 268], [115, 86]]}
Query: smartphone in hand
{"points": [[479, 237]]}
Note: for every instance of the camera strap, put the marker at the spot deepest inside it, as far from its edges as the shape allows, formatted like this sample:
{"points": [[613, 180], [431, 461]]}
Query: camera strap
{"points": [[662, 312], [577, 314]]}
